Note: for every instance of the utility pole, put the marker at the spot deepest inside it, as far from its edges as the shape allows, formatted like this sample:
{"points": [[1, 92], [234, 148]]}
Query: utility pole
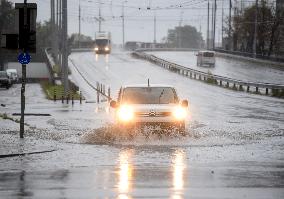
{"points": [[208, 13], [222, 23], [155, 30], [255, 29], [123, 36], [100, 18], [214, 29], [56, 31], [65, 48], [52, 24], [60, 35], [212, 26], [179, 32], [230, 26], [79, 37], [57, 10]]}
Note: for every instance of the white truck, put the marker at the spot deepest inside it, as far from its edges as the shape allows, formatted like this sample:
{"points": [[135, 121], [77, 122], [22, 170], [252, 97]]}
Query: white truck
{"points": [[103, 42]]}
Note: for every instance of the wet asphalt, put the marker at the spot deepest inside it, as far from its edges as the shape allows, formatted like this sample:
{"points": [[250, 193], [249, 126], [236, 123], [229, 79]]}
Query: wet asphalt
{"points": [[233, 148]]}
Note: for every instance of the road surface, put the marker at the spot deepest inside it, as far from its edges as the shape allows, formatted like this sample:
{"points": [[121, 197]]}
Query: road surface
{"points": [[234, 147], [241, 70]]}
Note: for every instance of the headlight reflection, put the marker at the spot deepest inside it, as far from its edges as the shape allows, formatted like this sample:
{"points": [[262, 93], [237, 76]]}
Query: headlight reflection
{"points": [[178, 174], [125, 174]]}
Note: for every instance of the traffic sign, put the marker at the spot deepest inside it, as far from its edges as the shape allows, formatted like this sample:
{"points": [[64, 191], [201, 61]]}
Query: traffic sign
{"points": [[24, 58]]}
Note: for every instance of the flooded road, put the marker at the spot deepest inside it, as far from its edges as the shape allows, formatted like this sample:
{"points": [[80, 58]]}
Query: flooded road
{"points": [[233, 148]]}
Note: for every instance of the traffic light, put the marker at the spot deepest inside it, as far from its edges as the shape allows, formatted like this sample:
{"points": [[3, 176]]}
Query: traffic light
{"points": [[24, 38], [27, 29]]}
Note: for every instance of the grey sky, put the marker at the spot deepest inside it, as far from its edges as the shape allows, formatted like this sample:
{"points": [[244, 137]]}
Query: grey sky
{"points": [[139, 23]]}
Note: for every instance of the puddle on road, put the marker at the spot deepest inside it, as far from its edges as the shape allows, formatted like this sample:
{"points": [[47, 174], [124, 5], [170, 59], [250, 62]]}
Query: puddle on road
{"points": [[196, 135], [113, 134]]}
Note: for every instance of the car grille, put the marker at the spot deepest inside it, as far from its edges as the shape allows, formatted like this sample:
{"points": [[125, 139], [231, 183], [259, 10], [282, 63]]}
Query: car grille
{"points": [[153, 114]]}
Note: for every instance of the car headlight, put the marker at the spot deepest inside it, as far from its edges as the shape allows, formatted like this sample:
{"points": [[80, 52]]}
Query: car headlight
{"points": [[125, 113], [96, 48], [180, 113], [107, 48]]}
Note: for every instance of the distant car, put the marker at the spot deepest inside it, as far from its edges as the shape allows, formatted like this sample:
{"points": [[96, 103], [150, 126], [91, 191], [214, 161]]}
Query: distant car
{"points": [[13, 74], [5, 81], [150, 105], [205, 58]]}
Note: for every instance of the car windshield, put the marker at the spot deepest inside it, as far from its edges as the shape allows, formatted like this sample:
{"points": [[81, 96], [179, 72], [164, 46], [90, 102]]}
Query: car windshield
{"points": [[149, 95], [208, 54], [3, 74], [101, 42]]}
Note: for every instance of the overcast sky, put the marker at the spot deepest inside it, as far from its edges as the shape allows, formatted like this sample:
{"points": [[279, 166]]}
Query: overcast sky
{"points": [[139, 21]]}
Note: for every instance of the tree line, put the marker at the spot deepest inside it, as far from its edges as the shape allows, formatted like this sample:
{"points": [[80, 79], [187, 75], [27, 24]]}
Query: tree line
{"points": [[184, 37], [269, 29]]}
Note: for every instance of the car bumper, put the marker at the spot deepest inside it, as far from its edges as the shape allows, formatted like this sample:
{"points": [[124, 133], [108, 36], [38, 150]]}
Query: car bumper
{"points": [[102, 51], [167, 121]]}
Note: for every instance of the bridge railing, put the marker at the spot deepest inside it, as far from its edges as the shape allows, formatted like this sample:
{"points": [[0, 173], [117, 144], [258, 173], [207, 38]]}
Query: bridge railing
{"points": [[258, 87]]}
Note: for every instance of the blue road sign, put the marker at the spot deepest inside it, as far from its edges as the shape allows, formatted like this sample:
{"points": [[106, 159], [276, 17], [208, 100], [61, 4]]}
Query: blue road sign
{"points": [[24, 58]]}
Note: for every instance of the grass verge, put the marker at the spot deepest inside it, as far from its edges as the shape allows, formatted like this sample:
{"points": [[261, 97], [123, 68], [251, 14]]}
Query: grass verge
{"points": [[56, 91]]}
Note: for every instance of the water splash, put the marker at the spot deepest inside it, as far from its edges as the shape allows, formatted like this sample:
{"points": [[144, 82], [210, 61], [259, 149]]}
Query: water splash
{"points": [[114, 134]]}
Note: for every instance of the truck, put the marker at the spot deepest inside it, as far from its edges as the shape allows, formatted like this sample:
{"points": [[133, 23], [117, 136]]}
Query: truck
{"points": [[103, 42]]}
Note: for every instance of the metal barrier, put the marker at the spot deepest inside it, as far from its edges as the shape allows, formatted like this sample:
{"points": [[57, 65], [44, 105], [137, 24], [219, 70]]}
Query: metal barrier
{"points": [[99, 88], [259, 88], [49, 64]]}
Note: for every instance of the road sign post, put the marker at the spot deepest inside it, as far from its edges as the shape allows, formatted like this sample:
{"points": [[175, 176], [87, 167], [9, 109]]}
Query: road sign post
{"points": [[21, 60], [27, 42], [24, 39]]}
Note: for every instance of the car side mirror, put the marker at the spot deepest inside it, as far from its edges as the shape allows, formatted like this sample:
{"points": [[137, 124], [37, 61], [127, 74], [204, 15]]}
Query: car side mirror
{"points": [[184, 103], [113, 104]]}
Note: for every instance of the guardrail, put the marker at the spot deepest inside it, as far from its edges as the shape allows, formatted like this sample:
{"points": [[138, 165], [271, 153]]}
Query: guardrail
{"points": [[235, 84], [165, 49], [99, 88], [50, 64]]}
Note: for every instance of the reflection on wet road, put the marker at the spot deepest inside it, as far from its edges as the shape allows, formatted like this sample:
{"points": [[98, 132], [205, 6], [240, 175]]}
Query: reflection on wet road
{"points": [[125, 174], [178, 174]]}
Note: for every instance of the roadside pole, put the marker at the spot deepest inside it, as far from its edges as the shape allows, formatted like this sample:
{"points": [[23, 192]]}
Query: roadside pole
{"points": [[26, 43], [255, 29], [23, 100], [65, 47], [23, 40], [208, 13]]}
